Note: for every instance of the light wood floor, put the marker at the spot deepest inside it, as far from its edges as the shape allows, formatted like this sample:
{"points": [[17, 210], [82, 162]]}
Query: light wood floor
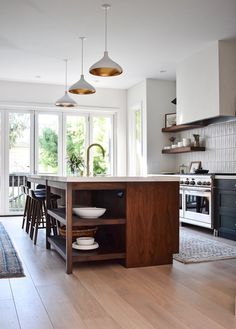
{"points": [[108, 296]]}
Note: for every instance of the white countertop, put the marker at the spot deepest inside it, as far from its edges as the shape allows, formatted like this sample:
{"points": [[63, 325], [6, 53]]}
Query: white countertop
{"points": [[70, 179], [225, 176]]}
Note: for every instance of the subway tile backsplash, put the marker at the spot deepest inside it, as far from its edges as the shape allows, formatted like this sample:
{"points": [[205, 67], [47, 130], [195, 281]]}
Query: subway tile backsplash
{"points": [[220, 142]]}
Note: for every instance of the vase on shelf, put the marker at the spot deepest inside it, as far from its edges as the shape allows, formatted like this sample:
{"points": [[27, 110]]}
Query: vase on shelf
{"points": [[172, 140], [196, 140]]}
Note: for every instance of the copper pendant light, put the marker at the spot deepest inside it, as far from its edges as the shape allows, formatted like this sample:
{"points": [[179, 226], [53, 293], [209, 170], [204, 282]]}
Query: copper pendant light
{"points": [[66, 100], [82, 87], [106, 67]]}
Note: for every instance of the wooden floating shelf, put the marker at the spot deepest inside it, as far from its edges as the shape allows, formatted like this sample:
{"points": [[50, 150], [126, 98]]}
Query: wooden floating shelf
{"points": [[184, 149], [178, 128]]}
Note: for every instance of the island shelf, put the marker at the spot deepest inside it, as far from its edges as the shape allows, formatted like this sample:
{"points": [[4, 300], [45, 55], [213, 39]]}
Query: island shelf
{"points": [[102, 253], [60, 215]]}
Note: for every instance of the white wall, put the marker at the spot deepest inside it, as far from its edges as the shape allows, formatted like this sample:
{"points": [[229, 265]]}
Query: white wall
{"points": [[160, 93], [155, 97], [35, 94]]}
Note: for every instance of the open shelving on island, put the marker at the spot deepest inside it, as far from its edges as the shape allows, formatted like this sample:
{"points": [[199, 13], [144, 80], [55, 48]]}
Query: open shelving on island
{"points": [[104, 252], [60, 215]]}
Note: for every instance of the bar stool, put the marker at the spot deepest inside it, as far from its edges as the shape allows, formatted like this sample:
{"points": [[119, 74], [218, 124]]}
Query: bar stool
{"points": [[24, 190], [38, 213], [28, 209], [27, 215]]}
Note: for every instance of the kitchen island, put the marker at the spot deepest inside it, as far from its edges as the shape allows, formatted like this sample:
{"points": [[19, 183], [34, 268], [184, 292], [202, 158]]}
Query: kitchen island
{"points": [[140, 226]]}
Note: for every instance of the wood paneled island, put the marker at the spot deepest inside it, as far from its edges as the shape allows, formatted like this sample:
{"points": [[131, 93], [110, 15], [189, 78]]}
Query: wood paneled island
{"points": [[140, 226]]}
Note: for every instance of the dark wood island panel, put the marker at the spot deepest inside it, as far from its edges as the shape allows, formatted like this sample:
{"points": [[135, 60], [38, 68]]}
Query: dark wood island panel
{"points": [[152, 223]]}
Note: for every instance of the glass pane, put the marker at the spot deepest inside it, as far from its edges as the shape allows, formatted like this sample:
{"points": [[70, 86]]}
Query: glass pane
{"points": [[197, 204], [19, 157], [75, 144], [102, 134], [48, 143]]}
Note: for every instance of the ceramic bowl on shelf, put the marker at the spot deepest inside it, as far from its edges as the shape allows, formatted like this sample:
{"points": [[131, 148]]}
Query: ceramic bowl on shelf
{"points": [[89, 212], [85, 241]]}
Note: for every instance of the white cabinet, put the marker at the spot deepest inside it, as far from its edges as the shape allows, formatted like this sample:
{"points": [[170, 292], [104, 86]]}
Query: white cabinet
{"points": [[206, 83]]}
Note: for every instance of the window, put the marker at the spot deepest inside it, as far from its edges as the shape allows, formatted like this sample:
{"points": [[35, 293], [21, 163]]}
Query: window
{"points": [[47, 145], [102, 133], [33, 141], [136, 158], [75, 144]]}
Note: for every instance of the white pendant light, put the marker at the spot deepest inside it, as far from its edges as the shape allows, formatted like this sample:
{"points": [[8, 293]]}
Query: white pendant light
{"points": [[66, 100], [82, 87], [106, 67]]}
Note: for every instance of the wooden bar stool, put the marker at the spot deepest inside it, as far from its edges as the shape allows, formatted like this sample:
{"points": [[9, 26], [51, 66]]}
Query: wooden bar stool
{"points": [[25, 189], [38, 211]]}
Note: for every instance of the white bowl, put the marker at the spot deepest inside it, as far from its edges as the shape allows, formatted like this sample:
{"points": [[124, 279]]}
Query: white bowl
{"points": [[85, 241], [89, 212]]}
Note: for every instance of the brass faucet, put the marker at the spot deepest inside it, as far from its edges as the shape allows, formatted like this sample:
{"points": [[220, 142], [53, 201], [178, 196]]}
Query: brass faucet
{"points": [[88, 150]]}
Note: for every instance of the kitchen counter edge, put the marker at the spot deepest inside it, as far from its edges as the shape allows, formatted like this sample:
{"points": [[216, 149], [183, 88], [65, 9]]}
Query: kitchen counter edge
{"points": [[225, 176], [71, 179]]}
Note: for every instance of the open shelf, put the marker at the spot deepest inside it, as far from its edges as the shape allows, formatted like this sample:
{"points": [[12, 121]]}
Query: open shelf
{"points": [[184, 149], [102, 253], [178, 128], [60, 215]]}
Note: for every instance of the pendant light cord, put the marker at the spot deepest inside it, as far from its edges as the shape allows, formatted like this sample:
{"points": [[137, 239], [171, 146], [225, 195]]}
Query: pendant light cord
{"points": [[82, 55], [66, 60], [106, 28]]}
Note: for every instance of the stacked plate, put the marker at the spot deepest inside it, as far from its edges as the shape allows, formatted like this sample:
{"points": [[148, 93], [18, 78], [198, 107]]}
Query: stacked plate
{"points": [[85, 243]]}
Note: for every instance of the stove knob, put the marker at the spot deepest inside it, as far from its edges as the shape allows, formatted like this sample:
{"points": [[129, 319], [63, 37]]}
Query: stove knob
{"points": [[186, 182], [192, 182], [199, 183], [181, 182], [204, 183], [208, 183]]}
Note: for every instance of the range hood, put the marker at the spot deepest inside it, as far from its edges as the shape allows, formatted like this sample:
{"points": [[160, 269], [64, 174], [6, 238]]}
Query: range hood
{"points": [[205, 85]]}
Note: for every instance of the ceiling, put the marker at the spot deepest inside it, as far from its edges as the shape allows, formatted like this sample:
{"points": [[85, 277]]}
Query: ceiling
{"points": [[147, 38]]}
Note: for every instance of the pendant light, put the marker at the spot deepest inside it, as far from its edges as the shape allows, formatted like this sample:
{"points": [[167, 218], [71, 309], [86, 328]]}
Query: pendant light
{"points": [[106, 67], [66, 100], [82, 87]]}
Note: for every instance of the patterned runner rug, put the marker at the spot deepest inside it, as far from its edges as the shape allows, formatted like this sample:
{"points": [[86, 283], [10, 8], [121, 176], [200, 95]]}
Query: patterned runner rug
{"points": [[195, 248], [10, 264]]}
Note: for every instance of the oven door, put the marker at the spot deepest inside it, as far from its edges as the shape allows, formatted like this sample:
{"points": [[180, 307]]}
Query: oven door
{"points": [[197, 206]]}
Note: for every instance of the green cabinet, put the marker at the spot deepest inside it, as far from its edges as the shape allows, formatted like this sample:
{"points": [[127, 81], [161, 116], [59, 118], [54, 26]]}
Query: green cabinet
{"points": [[225, 208]]}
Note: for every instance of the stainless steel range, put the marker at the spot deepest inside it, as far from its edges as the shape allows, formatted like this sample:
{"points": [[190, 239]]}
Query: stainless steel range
{"points": [[196, 199]]}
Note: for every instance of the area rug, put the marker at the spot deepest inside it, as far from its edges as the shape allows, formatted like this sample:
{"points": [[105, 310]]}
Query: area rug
{"points": [[195, 248], [10, 264]]}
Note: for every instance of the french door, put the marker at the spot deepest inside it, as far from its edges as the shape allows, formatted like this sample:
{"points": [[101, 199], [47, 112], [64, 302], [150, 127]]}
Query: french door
{"points": [[48, 143], [40, 142], [16, 158]]}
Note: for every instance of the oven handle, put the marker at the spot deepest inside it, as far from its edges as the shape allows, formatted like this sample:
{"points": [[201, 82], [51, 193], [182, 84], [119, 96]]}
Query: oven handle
{"points": [[195, 189]]}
